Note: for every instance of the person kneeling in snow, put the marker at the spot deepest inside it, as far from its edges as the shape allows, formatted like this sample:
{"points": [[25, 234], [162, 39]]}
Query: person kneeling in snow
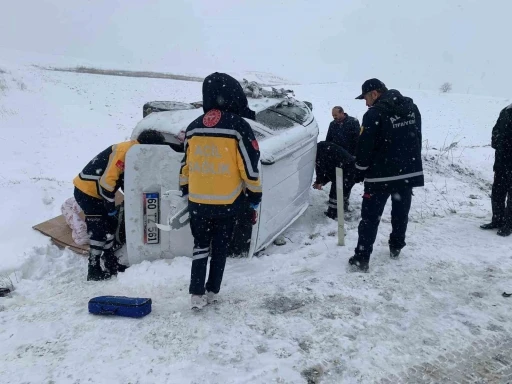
{"points": [[220, 175], [95, 190], [338, 150]]}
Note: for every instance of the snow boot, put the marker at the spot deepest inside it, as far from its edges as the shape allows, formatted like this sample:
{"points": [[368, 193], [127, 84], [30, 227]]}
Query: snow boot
{"points": [[331, 213], [491, 225], [212, 298], [94, 271], [198, 302], [111, 263], [394, 253], [358, 265], [121, 267], [505, 231]]}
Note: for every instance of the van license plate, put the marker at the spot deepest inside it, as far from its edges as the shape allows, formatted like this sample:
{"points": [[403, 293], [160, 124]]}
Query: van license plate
{"points": [[151, 217]]}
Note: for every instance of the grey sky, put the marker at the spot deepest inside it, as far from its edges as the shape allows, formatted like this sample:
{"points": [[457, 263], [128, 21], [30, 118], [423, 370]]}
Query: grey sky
{"points": [[406, 43]]}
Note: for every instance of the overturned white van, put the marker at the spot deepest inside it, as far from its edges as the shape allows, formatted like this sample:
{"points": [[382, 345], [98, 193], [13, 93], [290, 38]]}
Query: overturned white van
{"points": [[156, 216]]}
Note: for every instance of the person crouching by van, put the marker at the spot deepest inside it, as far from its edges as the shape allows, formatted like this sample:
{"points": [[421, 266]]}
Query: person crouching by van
{"points": [[219, 174], [95, 190], [338, 150]]}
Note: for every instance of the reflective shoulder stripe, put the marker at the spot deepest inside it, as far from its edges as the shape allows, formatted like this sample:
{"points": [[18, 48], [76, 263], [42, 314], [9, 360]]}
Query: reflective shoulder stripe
{"points": [[89, 177], [392, 178], [111, 159], [222, 131], [254, 188], [100, 188], [102, 193], [252, 173], [361, 168]]}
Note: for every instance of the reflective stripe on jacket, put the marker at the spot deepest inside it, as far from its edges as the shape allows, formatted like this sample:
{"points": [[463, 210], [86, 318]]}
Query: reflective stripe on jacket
{"points": [[104, 175], [220, 161]]}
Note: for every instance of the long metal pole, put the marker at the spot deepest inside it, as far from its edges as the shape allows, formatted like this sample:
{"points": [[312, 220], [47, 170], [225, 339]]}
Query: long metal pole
{"points": [[340, 204]]}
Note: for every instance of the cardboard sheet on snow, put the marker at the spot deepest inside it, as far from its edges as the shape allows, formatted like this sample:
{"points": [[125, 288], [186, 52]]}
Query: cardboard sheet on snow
{"points": [[60, 233]]}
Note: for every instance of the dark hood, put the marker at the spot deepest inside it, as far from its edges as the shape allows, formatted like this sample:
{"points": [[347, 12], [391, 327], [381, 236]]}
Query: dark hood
{"points": [[393, 102], [223, 92]]}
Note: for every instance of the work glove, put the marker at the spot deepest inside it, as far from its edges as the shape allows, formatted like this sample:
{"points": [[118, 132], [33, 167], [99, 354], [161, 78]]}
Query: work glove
{"points": [[254, 217], [184, 190]]}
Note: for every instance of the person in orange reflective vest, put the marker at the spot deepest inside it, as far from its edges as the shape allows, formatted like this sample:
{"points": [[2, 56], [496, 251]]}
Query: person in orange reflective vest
{"points": [[220, 175], [95, 190]]}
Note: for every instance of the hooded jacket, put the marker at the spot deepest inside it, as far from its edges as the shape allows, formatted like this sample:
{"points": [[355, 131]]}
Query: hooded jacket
{"points": [[389, 147], [221, 159], [104, 175]]}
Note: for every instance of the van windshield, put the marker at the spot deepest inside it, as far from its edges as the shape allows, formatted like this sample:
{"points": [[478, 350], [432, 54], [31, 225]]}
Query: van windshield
{"points": [[284, 115]]}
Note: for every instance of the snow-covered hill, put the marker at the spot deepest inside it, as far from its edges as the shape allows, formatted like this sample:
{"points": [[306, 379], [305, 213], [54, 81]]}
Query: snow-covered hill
{"points": [[286, 314]]}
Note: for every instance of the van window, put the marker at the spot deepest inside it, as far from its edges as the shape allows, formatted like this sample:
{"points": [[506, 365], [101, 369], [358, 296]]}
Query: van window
{"points": [[284, 115], [273, 120], [294, 110]]}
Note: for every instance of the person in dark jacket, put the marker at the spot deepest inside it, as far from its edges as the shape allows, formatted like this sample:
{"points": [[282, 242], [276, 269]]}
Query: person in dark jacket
{"points": [[388, 160], [501, 141], [95, 190], [338, 150], [219, 174]]}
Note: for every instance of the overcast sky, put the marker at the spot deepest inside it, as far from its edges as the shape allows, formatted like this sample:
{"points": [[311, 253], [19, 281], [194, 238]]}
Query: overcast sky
{"points": [[406, 43]]}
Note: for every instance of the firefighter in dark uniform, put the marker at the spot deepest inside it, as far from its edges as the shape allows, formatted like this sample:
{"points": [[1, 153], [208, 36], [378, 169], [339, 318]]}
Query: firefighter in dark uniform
{"points": [[220, 175], [502, 187], [338, 150], [95, 190], [388, 159]]}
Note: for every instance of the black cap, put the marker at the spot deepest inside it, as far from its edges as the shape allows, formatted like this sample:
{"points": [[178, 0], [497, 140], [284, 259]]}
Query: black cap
{"points": [[370, 85]]}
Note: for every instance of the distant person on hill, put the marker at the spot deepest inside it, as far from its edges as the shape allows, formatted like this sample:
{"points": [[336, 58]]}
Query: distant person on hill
{"points": [[501, 141], [338, 150], [388, 160]]}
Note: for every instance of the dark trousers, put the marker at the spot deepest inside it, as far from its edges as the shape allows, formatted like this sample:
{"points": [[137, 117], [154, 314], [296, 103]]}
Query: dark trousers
{"points": [[501, 188], [348, 184], [329, 156], [212, 237], [371, 212], [95, 214]]}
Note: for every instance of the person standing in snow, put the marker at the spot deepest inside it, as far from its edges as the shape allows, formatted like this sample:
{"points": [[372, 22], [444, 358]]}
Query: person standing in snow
{"points": [[501, 141], [338, 150], [220, 175], [95, 190], [388, 160]]}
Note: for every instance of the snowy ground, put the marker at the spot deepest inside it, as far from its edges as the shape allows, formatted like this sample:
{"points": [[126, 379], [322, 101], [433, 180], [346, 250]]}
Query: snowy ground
{"points": [[292, 314]]}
